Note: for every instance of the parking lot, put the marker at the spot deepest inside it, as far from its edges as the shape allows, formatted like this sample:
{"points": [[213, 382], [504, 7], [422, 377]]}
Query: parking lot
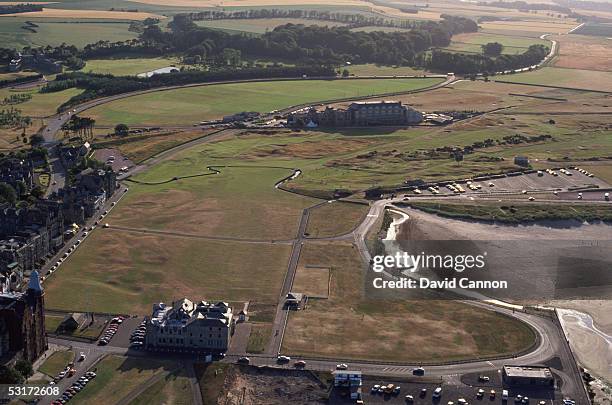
{"points": [[464, 387], [560, 184]]}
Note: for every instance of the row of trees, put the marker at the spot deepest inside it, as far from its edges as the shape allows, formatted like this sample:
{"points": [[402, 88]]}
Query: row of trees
{"points": [[475, 63], [83, 127], [331, 45], [19, 8]]}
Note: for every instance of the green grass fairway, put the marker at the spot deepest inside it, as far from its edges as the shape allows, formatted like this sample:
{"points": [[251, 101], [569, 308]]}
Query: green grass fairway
{"points": [[261, 25], [125, 272], [334, 219], [52, 31], [41, 104], [117, 376], [128, 66], [172, 389], [190, 105], [56, 362], [574, 78], [208, 205], [348, 325]]}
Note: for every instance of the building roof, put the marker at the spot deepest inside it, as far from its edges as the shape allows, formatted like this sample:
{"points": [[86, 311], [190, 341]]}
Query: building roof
{"points": [[527, 371], [34, 283]]}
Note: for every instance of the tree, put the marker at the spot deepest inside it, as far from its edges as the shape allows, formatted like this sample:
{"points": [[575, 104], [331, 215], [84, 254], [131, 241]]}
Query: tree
{"points": [[9, 375], [7, 193], [36, 140], [121, 130], [492, 49], [24, 367], [345, 73]]}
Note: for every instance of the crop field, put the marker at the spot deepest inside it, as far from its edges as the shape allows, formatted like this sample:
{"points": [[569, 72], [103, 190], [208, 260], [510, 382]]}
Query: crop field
{"points": [[584, 52], [529, 27], [82, 14], [261, 25], [349, 325], [117, 376], [473, 42], [52, 31], [190, 105], [554, 76], [128, 66], [41, 104]]}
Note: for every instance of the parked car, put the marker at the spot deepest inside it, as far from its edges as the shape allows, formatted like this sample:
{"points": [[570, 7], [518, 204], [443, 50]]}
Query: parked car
{"points": [[342, 366], [244, 360], [418, 371]]}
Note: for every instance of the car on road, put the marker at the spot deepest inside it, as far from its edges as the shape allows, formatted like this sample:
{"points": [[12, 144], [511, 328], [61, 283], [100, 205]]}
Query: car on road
{"points": [[300, 364], [342, 366], [418, 371], [483, 378], [375, 388], [283, 359], [409, 399], [244, 360], [82, 356]]}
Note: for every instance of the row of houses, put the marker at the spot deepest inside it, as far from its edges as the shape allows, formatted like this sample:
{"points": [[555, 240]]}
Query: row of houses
{"points": [[35, 61]]}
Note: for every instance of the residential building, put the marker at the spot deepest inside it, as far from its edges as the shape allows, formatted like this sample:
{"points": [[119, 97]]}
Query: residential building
{"points": [[189, 326], [521, 161], [350, 381], [22, 322], [17, 173]]}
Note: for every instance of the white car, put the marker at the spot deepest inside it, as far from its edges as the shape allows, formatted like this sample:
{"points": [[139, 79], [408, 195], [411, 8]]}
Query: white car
{"points": [[342, 366], [82, 356], [283, 359]]}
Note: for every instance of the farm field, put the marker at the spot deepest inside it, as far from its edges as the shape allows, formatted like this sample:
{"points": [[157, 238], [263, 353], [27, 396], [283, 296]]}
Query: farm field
{"points": [[81, 14], [127, 66], [261, 25], [117, 376], [41, 104], [348, 325], [371, 69], [584, 52], [190, 105], [15, 75], [473, 42], [53, 31], [554, 76], [529, 27]]}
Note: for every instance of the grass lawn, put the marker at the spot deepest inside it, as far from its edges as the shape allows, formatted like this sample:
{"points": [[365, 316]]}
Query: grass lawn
{"points": [[173, 389], [574, 78], [349, 325], [56, 362], [261, 25], [52, 322], [41, 104], [53, 31], [191, 105], [127, 66], [335, 219], [259, 337], [212, 380], [117, 376]]}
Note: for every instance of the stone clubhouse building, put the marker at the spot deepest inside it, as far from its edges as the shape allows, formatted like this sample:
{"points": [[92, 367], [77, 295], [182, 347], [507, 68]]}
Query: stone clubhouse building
{"points": [[189, 326]]}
